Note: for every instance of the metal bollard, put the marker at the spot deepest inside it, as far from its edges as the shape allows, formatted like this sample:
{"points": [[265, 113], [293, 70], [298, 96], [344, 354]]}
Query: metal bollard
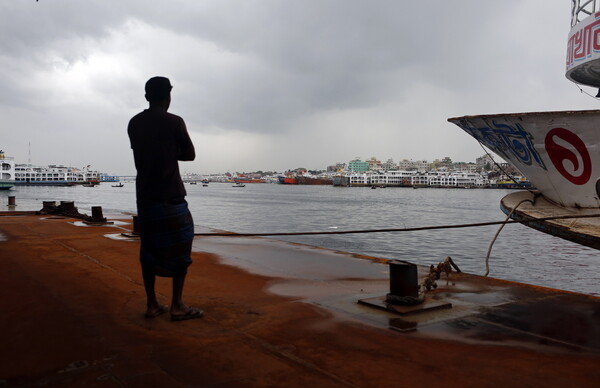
{"points": [[403, 279], [48, 206], [12, 201], [67, 207], [97, 214], [135, 225]]}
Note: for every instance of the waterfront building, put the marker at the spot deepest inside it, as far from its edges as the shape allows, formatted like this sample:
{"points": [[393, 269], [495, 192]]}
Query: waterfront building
{"points": [[389, 165], [358, 165], [416, 165], [337, 167], [484, 163], [374, 164]]}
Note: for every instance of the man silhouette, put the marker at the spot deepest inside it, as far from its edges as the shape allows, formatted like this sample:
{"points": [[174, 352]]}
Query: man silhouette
{"points": [[159, 140]]}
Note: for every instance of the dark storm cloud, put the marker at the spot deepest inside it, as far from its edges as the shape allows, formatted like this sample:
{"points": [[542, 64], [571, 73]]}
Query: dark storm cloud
{"points": [[374, 78]]}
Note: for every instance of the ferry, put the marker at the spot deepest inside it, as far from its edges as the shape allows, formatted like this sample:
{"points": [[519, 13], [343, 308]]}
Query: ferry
{"points": [[452, 179], [557, 151], [54, 175], [7, 172]]}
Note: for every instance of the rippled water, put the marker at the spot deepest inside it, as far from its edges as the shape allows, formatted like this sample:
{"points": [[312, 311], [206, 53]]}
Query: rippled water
{"points": [[520, 253]]}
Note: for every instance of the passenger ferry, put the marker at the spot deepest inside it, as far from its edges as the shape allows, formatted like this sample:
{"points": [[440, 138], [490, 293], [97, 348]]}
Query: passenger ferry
{"points": [[458, 179], [7, 172], [54, 175]]}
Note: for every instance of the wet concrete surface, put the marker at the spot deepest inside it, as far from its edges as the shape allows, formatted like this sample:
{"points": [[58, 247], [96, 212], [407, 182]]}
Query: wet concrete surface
{"points": [[277, 314]]}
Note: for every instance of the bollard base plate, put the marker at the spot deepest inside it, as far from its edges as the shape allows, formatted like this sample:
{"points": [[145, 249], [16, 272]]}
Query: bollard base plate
{"points": [[428, 305], [98, 223]]}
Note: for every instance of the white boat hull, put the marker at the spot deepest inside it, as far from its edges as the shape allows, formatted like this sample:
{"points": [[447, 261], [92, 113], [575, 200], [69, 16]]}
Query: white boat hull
{"points": [[558, 151]]}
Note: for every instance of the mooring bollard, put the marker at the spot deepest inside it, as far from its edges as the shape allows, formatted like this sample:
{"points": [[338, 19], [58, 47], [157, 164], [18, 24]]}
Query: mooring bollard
{"points": [[48, 206], [12, 201], [404, 284], [97, 213], [135, 225], [67, 206]]}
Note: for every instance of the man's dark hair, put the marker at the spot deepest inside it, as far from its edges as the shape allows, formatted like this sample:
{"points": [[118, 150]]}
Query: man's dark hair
{"points": [[158, 89]]}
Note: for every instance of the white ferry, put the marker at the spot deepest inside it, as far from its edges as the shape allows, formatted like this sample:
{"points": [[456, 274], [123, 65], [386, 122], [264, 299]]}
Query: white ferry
{"points": [[7, 172], [54, 175], [458, 179]]}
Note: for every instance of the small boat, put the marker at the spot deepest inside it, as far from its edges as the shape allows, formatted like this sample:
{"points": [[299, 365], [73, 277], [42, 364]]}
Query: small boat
{"points": [[193, 183], [239, 185], [119, 185]]}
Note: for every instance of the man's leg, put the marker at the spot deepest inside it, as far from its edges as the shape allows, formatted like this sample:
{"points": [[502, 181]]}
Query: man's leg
{"points": [[179, 311], [177, 305], [153, 308]]}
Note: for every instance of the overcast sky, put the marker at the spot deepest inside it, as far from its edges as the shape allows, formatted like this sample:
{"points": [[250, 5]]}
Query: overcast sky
{"points": [[275, 85]]}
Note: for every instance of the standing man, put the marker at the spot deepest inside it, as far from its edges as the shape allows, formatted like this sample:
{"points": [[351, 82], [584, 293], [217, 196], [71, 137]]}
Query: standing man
{"points": [[159, 140]]}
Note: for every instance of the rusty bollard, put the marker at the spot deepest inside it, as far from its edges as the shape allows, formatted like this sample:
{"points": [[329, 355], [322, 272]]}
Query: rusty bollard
{"points": [[68, 207], [48, 206], [404, 285], [12, 201]]}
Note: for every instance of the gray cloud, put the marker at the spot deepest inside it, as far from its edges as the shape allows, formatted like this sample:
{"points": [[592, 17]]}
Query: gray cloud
{"points": [[375, 78]]}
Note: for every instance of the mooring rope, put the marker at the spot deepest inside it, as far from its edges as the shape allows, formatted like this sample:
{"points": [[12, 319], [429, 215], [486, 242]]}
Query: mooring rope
{"points": [[390, 230], [487, 257]]}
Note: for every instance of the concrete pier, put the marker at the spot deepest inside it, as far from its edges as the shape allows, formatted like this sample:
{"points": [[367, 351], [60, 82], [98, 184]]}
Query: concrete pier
{"points": [[73, 303]]}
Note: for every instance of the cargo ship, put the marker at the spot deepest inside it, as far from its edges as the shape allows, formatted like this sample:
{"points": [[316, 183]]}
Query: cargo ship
{"points": [[313, 180], [242, 178], [287, 180]]}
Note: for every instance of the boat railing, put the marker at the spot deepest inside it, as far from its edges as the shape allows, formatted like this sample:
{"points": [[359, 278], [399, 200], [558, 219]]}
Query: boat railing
{"points": [[581, 9]]}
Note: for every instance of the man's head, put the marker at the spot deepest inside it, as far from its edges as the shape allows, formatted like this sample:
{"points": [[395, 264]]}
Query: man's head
{"points": [[158, 89]]}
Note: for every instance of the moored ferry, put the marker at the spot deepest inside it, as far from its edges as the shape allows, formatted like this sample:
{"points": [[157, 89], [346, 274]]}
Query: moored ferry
{"points": [[54, 175], [7, 172]]}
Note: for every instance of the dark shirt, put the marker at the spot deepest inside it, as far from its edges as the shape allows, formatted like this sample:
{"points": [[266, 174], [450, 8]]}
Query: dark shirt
{"points": [[159, 139]]}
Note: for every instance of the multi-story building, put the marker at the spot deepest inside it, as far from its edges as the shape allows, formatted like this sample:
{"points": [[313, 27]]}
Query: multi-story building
{"points": [[389, 165], [374, 164], [414, 165], [358, 165], [337, 167]]}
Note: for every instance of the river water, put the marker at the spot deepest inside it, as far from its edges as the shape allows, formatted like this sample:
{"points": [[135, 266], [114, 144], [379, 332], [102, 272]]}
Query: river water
{"points": [[520, 253]]}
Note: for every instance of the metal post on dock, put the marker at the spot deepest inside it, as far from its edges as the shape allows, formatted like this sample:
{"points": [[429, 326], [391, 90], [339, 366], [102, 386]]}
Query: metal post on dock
{"points": [[135, 226], [97, 215], [404, 285], [48, 206], [68, 207], [12, 201]]}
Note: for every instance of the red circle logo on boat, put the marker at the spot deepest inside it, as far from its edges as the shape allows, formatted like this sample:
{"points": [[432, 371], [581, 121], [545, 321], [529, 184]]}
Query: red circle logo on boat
{"points": [[559, 154]]}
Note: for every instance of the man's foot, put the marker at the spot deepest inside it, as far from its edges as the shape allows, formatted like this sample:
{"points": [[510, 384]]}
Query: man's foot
{"points": [[190, 313], [155, 311]]}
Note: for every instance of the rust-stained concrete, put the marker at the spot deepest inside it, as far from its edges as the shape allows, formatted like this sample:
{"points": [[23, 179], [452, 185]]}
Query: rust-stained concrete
{"points": [[72, 314]]}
